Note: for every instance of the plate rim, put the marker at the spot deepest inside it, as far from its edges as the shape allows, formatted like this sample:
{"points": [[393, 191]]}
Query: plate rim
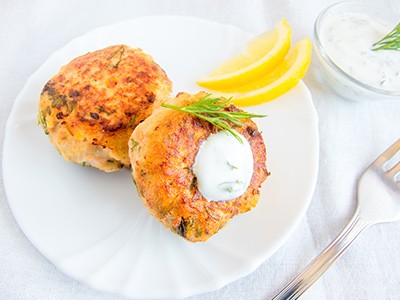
{"points": [[255, 263]]}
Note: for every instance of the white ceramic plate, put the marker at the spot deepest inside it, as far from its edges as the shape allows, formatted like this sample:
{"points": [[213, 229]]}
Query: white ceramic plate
{"points": [[93, 226]]}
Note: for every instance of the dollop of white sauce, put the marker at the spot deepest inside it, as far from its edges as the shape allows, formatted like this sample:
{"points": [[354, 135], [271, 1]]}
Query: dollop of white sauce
{"points": [[348, 38], [223, 166]]}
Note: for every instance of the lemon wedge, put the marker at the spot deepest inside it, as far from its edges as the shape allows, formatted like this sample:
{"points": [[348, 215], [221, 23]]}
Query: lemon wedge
{"points": [[262, 55], [283, 78]]}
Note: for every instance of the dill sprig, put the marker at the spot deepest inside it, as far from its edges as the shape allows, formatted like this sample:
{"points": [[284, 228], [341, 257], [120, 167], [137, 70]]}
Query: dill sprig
{"points": [[213, 110], [389, 42]]}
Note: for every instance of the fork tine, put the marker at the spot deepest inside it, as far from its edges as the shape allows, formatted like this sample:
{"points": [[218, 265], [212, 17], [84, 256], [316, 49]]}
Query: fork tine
{"points": [[388, 153], [392, 150], [393, 171]]}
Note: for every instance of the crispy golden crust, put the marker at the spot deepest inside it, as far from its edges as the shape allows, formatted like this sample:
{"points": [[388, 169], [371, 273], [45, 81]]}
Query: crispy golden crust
{"points": [[162, 152], [91, 106]]}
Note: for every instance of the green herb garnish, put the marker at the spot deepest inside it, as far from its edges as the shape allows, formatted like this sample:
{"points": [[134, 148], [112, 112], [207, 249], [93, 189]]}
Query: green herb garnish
{"points": [[389, 42], [213, 110]]}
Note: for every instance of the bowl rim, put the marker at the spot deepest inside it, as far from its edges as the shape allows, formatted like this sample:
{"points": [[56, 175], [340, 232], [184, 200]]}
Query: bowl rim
{"points": [[323, 53]]}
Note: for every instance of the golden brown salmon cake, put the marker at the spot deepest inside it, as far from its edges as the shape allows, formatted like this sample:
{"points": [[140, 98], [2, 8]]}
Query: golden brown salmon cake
{"points": [[162, 152], [91, 106]]}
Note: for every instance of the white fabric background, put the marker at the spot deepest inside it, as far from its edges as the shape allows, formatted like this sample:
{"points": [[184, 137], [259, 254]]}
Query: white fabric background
{"points": [[352, 134]]}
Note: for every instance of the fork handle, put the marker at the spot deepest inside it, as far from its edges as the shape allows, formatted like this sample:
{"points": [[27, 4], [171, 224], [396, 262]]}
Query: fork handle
{"points": [[324, 260]]}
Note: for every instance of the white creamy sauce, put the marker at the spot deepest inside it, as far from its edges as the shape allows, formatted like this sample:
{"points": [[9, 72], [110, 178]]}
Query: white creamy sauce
{"points": [[223, 167], [348, 38]]}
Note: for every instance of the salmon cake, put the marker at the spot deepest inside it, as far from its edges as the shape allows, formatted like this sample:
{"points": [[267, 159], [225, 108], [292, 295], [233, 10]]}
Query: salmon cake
{"points": [[163, 151], [90, 108]]}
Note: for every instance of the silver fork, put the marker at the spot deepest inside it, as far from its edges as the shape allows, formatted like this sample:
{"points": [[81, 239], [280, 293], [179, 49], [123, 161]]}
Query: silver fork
{"points": [[378, 202]]}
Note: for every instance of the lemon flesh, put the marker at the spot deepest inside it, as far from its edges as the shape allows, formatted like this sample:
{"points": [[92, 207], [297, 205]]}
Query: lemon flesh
{"points": [[262, 55], [279, 81]]}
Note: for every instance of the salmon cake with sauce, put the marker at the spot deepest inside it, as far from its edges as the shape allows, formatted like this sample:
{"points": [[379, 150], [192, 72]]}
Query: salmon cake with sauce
{"points": [[90, 108], [165, 153]]}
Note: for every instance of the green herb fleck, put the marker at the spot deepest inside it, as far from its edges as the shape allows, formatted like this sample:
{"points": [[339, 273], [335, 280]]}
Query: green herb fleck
{"points": [[132, 122], [116, 55], [198, 231], [134, 144], [102, 109], [59, 101], [42, 118], [229, 186], [233, 167]]}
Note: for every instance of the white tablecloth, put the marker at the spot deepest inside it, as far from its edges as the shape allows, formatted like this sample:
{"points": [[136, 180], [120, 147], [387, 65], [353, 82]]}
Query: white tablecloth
{"points": [[352, 134]]}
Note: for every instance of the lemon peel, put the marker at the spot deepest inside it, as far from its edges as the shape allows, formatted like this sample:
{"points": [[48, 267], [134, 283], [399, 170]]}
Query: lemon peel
{"points": [[262, 55]]}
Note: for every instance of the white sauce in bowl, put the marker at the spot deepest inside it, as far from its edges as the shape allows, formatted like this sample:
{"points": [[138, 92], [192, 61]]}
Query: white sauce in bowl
{"points": [[223, 167], [348, 38]]}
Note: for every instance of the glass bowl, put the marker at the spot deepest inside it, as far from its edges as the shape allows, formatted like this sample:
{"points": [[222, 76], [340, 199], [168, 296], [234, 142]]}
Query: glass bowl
{"points": [[340, 81]]}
